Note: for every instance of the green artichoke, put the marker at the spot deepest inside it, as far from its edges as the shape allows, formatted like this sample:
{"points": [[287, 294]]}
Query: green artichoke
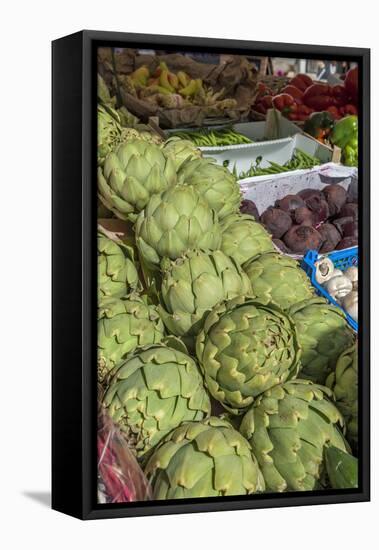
{"points": [[180, 150], [203, 459], [288, 428], [109, 131], [243, 238], [194, 284], [174, 222], [342, 468], [131, 174], [122, 115], [132, 134], [122, 326], [215, 183], [344, 383], [278, 279], [129, 121], [323, 335], [117, 273], [246, 348], [153, 391]]}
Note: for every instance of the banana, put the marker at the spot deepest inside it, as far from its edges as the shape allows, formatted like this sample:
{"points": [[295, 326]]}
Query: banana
{"points": [[161, 67], [140, 75], [155, 89], [163, 81], [190, 89], [183, 78], [173, 80]]}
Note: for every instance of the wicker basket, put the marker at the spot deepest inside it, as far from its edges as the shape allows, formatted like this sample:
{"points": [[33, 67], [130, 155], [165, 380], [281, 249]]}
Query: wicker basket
{"points": [[275, 83]]}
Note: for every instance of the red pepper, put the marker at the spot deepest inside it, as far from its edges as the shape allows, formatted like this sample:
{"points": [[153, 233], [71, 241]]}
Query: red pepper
{"points": [[351, 84], [262, 90], [340, 95], [266, 101], [259, 108], [334, 112], [316, 90], [348, 109], [304, 110], [284, 103], [338, 90], [293, 92], [321, 102], [301, 81], [319, 97], [297, 116]]}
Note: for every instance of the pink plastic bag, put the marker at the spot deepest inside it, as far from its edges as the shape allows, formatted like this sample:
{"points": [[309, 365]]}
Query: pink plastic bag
{"points": [[120, 478]]}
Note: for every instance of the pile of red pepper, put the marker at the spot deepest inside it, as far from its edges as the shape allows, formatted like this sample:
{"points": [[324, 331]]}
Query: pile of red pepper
{"points": [[302, 97]]}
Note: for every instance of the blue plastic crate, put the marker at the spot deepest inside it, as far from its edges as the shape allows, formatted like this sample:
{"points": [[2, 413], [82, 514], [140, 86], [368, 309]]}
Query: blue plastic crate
{"points": [[342, 259]]}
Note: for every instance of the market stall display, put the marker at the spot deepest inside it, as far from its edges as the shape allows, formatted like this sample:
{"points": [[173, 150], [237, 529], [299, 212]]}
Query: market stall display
{"points": [[226, 358]]}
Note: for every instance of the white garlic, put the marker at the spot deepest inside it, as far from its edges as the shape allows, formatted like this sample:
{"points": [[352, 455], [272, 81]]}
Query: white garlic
{"points": [[324, 270], [352, 274], [338, 287], [350, 304]]}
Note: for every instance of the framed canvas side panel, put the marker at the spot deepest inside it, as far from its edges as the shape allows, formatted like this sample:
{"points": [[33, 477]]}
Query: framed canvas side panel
{"points": [[364, 278], [67, 266]]}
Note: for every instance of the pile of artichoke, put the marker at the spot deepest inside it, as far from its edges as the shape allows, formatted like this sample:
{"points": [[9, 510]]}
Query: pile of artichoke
{"points": [[225, 372]]}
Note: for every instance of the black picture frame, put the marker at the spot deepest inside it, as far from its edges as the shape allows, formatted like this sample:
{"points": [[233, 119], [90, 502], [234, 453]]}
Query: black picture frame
{"points": [[74, 272]]}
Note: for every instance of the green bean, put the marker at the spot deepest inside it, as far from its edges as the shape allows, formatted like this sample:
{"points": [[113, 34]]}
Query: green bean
{"points": [[222, 137]]}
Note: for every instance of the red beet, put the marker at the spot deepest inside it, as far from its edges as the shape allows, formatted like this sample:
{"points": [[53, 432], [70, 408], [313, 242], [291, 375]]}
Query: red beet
{"points": [[330, 236], [347, 242], [319, 207], [249, 207], [349, 209], [280, 244], [289, 203], [341, 222], [306, 194], [316, 202], [301, 238], [276, 221], [304, 216], [351, 230], [335, 196]]}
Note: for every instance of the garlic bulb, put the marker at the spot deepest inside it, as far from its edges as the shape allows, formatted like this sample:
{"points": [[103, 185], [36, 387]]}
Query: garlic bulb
{"points": [[350, 304], [337, 273], [338, 287], [324, 270], [352, 274]]}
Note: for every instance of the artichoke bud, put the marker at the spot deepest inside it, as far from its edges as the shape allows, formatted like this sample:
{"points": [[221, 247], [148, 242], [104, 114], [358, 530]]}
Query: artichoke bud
{"points": [[154, 390], [244, 348], [289, 427]]}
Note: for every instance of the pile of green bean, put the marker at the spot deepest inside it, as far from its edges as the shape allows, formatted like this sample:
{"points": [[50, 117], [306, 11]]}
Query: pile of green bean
{"points": [[213, 138], [299, 161]]}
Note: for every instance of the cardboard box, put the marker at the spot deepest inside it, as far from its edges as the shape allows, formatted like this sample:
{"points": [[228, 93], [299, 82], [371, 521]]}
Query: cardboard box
{"points": [[264, 194], [274, 139]]}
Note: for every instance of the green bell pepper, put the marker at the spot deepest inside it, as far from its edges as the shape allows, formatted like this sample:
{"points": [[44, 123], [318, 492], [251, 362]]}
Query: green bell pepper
{"points": [[350, 156], [345, 136]]}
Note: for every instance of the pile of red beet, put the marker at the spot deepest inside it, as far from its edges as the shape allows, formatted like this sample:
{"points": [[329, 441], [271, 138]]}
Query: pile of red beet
{"points": [[319, 220]]}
